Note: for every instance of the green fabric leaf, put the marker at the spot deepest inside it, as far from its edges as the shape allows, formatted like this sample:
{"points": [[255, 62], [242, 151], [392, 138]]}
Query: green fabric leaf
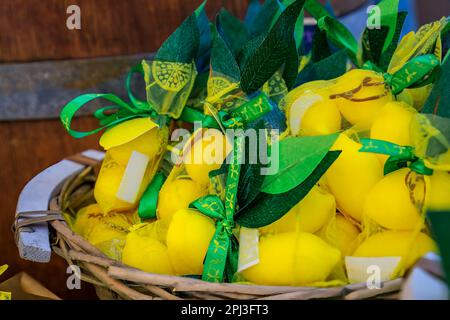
{"points": [[339, 35], [298, 159], [326, 69], [262, 22], [249, 49], [386, 56], [320, 47], [222, 59], [182, 45], [268, 208], [272, 52], [251, 179], [204, 50], [389, 11], [232, 30], [440, 224], [252, 11], [439, 100], [316, 9], [291, 65], [299, 30]]}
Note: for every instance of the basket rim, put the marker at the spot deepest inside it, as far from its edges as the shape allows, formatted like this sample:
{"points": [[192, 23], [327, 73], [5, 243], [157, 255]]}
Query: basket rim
{"points": [[129, 283]]}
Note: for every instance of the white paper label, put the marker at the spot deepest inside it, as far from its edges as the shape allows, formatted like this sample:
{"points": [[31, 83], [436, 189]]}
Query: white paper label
{"points": [[363, 269], [248, 248], [132, 178]]}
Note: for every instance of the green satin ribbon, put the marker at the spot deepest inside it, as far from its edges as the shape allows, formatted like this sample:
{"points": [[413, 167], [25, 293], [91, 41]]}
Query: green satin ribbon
{"points": [[221, 249], [237, 118], [413, 72], [149, 201], [108, 116], [399, 156]]}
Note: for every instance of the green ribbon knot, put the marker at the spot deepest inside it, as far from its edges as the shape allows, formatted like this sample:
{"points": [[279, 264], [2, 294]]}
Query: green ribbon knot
{"points": [[222, 255], [399, 156], [237, 118], [415, 72]]}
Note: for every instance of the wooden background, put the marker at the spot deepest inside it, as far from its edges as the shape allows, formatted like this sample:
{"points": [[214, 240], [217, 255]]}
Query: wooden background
{"points": [[33, 30]]}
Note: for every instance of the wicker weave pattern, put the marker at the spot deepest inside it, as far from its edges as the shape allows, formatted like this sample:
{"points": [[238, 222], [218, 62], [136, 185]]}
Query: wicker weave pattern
{"points": [[114, 280]]}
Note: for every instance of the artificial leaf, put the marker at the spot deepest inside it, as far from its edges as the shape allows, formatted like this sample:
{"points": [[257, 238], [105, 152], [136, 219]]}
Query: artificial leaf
{"points": [[320, 48], [389, 11], [272, 52], [291, 65], [254, 7], [251, 178], [299, 31], [386, 55], [268, 208], [204, 49], [339, 35], [249, 50], [374, 39], [438, 101], [416, 44], [222, 59], [329, 68], [182, 45], [440, 224], [298, 158], [316, 9], [232, 30], [262, 21]]}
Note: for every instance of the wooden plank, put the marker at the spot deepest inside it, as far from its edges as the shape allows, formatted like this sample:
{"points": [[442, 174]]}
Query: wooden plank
{"points": [[35, 245], [38, 90], [36, 30]]}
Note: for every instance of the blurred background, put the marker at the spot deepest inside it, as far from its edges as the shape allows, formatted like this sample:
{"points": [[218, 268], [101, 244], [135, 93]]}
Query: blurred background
{"points": [[38, 55]]}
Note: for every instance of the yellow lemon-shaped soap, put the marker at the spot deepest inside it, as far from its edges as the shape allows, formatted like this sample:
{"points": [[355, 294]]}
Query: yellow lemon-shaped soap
{"points": [[393, 124], [292, 258], [109, 181], [389, 203], [439, 195], [396, 244], [188, 238], [125, 132], [109, 234], [309, 215], [149, 144], [205, 155], [176, 195], [346, 235], [360, 95], [312, 115], [352, 176], [144, 251], [86, 218]]}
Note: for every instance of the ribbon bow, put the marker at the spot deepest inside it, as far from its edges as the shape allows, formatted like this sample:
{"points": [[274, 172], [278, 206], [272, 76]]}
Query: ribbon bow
{"points": [[223, 247], [399, 156], [108, 116]]}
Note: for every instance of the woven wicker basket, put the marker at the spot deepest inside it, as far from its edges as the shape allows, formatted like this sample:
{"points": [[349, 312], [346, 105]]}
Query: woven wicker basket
{"points": [[114, 280]]}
